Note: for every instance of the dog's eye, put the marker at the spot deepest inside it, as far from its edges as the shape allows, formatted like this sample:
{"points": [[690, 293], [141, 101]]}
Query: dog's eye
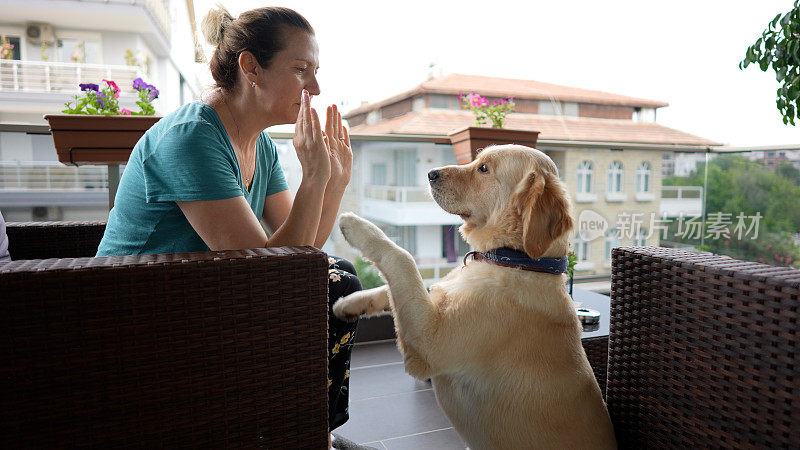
{"points": [[483, 169]]}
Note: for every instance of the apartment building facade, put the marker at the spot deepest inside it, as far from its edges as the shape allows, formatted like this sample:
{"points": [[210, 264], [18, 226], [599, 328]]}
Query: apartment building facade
{"points": [[608, 149], [57, 44]]}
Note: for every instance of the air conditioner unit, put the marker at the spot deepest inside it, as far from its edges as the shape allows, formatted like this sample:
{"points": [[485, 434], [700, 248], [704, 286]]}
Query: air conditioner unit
{"points": [[36, 33]]}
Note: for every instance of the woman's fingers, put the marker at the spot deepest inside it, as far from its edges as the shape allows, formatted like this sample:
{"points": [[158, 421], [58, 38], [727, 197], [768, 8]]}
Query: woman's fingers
{"points": [[339, 134], [316, 128], [329, 123], [346, 136]]}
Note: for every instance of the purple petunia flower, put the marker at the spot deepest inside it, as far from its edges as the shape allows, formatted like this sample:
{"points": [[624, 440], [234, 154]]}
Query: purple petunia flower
{"points": [[153, 94], [139, 84], [89, 86], [101, 98]]}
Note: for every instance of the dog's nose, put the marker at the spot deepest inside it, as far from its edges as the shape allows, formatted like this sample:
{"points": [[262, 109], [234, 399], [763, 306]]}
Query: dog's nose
{"points": [[434, 175]]}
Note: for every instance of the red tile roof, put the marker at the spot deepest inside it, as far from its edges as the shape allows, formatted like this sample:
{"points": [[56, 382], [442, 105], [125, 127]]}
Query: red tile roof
{"points": [[441, 121], [506, 87]]}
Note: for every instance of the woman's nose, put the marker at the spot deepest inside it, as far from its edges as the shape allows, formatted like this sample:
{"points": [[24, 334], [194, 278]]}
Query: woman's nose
{"points": [[313, 87]]}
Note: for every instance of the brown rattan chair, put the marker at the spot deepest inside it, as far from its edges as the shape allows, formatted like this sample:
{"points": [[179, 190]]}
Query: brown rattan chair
{"points": [[215, 349], [704, 351]]}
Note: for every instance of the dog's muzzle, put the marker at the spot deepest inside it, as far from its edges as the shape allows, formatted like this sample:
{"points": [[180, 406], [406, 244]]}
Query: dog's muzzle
{"points": [[434, 176]]}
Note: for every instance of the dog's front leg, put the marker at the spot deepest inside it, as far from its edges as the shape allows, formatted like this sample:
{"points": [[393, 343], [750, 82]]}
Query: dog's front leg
{"points": [[413, 310], [362, 303]]}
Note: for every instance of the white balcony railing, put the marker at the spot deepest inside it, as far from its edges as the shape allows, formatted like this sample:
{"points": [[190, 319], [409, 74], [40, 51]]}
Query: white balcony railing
{"points": [[681, 200], [45, 76], [399, 194], [681, 192], [51, 176]]}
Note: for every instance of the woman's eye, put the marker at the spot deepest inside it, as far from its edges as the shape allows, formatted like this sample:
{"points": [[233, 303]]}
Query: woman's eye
{"points": [[482, 168]]}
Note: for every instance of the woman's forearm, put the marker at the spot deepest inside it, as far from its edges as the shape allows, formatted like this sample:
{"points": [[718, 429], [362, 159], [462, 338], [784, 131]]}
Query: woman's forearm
{"points": [[330, 209], [300, 227]]}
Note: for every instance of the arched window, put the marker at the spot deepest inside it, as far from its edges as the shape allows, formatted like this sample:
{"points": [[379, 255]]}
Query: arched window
{"points": [[612, 240], [643, 178], [585, 177], [615, 177]]}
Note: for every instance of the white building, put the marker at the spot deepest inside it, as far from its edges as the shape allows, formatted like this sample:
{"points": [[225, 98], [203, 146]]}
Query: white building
{"points": [[58, 44]]}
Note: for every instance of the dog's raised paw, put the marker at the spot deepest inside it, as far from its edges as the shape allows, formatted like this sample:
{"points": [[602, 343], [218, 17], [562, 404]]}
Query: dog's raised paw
{"points": [[361, 233], [347, 309]]}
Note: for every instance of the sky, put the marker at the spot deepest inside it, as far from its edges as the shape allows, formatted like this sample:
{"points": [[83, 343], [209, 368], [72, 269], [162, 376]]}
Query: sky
{"points": [[685, 53]]}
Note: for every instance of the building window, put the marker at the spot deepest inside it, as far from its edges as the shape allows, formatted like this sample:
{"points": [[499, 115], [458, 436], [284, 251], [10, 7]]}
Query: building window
{"points": [[570, 109], [453, 246], [585, 177], [78, 51], [404, 236], [612, 241], [379, 175], [14, 41], [373, 116], [440, 101], [643, 178], [640, 239], [581, 249], [615, 178]]}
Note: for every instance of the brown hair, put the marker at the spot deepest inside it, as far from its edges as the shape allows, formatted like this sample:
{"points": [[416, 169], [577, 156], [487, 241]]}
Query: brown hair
{"points": [[258, 31]]}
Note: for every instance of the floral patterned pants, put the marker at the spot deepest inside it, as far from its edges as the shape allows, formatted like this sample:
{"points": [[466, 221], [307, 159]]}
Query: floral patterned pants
{"points": [[342, 280]]}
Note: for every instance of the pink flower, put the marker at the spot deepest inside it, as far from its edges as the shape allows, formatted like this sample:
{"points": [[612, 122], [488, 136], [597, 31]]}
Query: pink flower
{"points": [[125, 112], [114, 87]]}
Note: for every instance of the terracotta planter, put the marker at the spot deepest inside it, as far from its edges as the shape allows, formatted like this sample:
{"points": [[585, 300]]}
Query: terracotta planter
{"points": [[467, 142], [85, 139]]}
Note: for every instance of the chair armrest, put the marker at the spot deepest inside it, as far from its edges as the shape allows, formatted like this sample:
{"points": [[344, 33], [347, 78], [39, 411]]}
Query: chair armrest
{"points": [[212, 349], [703, 351], [39, 240], [596, 349]]}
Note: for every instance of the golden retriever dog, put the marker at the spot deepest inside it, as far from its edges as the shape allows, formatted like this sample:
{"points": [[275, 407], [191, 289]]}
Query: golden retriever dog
{"points": [[500, 344]]}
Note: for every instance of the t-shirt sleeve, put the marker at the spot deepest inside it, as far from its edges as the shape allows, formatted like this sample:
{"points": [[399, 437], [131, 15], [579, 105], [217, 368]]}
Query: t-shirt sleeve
{"points": [[189, 163], [277, 180]]}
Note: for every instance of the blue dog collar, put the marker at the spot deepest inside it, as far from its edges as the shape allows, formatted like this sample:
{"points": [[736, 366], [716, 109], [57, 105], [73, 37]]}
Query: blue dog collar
{"points": [[508, 257]]}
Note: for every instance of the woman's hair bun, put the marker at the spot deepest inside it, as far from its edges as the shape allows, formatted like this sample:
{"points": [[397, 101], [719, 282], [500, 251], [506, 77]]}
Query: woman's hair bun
{"points": [[214, 24]]}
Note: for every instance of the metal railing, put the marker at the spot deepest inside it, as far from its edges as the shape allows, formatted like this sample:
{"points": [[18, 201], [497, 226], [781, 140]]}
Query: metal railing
{"points": [[51, 176], [682, 192], [45, 76], [400, 194]]}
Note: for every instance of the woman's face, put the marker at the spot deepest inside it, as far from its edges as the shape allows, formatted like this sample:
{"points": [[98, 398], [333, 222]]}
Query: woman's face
{"points": [[279, 86]]}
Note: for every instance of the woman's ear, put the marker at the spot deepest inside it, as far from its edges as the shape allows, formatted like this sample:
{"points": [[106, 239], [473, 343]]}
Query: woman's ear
{"points": [[545, 210]]}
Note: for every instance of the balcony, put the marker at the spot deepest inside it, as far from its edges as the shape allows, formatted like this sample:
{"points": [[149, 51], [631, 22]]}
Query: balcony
{"points": [[149, 17], [677, 200], [404, 206], [50, 183], [36, 86]]}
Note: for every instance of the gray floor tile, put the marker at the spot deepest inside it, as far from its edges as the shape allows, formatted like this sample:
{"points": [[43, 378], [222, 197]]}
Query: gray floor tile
{"points": [[381, 381], [370, 354], [393, 416], [438, 440]]}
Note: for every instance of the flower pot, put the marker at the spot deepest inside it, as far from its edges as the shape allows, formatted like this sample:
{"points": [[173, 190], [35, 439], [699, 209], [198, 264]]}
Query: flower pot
{"points": [[467, 142], [87, 139]]}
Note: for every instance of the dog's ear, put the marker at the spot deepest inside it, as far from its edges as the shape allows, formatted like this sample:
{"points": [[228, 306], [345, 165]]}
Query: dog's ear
{"points": [[544, 207]]}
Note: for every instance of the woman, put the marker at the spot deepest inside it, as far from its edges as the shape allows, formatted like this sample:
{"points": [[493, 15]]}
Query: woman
{"points": [[201, 178]]}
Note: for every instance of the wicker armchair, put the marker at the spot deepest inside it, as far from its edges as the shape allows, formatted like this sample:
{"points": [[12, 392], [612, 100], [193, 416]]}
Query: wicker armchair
{"points": [[215, 349], [704, 351]]}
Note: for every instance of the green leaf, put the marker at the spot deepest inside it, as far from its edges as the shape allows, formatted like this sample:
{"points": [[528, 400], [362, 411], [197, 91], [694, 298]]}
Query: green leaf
{"points": [[780, 73], [770, 43], [774, 21], [764, 64]]}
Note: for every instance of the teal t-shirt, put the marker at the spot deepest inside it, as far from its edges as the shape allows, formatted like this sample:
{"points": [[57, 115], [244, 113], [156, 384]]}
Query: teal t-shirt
{"points": [[185, 156]]}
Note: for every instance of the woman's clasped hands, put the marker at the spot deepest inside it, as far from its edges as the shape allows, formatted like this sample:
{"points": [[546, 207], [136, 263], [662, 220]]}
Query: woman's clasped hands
{"points": [[324, 155]]}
